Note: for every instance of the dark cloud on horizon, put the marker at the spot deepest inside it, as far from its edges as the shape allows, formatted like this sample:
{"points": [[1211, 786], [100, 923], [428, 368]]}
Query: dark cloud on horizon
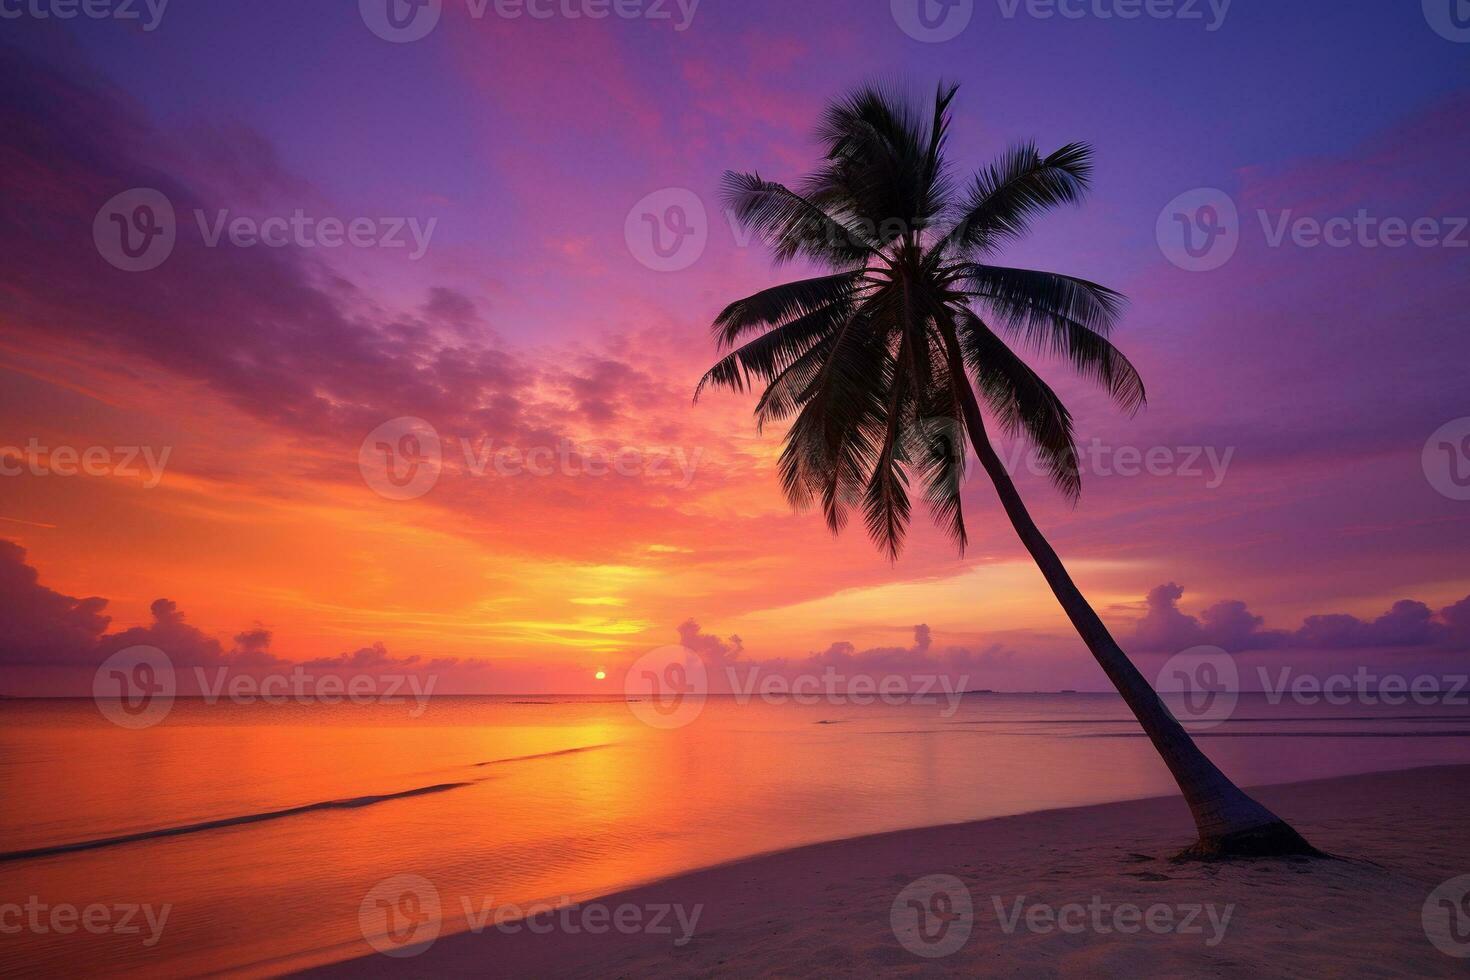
{"points": [[1229, 624], [40, 627]]}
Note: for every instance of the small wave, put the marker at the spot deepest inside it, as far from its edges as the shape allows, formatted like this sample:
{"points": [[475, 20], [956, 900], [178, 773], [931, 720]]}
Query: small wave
{"points": [[354, 803], [546, 755]]}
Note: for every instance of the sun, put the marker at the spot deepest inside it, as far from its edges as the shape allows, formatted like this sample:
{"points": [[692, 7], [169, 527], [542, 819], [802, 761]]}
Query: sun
{"points": [[601, 675]]}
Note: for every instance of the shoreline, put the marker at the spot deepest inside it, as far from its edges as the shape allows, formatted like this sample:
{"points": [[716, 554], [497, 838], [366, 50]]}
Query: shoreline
{"points": [[1052, 893]]}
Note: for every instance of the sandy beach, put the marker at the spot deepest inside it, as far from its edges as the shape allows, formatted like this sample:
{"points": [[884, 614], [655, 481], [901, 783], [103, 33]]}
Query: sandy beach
{"points": [[1078, 892]]}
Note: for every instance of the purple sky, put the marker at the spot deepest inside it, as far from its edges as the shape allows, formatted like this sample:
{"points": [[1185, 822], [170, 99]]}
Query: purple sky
{"points": [[1320, 370]]}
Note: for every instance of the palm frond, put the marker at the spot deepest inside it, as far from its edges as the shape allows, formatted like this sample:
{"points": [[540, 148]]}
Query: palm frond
{"points": [[835, 434], [770, 354], [884, 168], [794, 226], [1063, 316], [938, 452], [1021, 401], [1005, 196], [779, 304]]}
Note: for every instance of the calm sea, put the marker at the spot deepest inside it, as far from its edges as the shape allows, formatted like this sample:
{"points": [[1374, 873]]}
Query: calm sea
{"points": [[541, 798]]}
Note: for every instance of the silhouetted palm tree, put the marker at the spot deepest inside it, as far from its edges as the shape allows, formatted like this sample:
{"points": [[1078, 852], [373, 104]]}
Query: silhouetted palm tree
{"points": [[883, 364]]}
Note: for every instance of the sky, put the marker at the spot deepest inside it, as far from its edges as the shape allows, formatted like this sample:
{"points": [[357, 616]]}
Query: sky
{"points": [[1307, 414]]}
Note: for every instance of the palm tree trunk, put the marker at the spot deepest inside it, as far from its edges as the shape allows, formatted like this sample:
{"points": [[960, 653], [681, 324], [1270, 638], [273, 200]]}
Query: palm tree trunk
{"points": [[1230, 823]]}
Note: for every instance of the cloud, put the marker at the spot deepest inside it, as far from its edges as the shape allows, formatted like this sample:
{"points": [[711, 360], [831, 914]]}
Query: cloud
{"points": [[377, 657], [1232, 626], [45, 628], [714, 650], [844, 658], [921, 656], [187, 645], [39, 625], [1407, 624]]}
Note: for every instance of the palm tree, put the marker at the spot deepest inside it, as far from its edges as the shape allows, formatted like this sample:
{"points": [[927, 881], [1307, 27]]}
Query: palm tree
{"points": [[882, 366]]}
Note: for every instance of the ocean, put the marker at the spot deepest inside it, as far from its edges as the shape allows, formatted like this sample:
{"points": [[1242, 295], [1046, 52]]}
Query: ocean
{"points": [[261, 828]]}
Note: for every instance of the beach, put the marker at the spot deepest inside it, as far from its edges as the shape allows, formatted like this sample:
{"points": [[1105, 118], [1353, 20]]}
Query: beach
{"points": [[1085, 891]]}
